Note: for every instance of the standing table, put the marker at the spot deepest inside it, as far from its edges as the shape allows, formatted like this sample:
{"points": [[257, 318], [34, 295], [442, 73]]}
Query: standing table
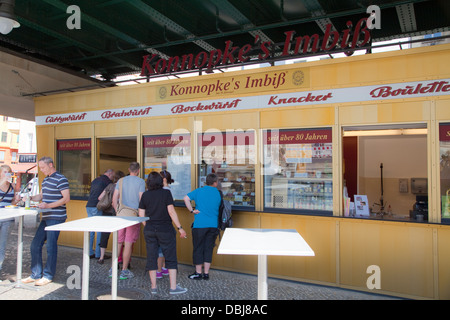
{"points": [[8, 213], [110, 224], [263, 242]]}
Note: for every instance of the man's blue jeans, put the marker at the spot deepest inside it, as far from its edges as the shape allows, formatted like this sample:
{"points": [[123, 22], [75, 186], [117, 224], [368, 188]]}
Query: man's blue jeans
{"points": [[42, 236], [91, 212]]}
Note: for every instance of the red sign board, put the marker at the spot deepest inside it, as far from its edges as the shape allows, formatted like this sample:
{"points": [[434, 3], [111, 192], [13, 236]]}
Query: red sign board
{"points": [[444, 132], [298, 136], [293, 46], [67, 145], [167, 141]]}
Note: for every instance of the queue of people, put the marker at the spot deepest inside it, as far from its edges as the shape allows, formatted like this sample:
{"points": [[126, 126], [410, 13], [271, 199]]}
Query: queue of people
{"points": [[109, 193]]}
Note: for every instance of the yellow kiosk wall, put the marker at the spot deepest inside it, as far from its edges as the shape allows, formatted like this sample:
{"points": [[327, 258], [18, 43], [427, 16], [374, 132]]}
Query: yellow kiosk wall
{"points": [[413, 257]]}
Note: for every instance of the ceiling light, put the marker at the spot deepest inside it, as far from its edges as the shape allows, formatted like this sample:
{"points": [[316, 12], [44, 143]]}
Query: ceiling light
{"points": [[7, 18]]}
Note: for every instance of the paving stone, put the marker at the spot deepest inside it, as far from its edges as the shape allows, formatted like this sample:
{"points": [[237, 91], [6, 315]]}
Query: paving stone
{"points": [[223, 285]]}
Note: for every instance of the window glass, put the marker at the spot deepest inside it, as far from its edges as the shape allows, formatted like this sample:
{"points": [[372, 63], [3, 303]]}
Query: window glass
{"points": [[171, 153], [73, 160], [231, 156], [444, 145], [386, 172], [298, 170]]}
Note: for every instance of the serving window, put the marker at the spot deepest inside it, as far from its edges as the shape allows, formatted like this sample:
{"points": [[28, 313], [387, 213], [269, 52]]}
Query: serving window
{"points": [[171, 153], [231, 156], [298, 170], [73, 160], [386, 172]]}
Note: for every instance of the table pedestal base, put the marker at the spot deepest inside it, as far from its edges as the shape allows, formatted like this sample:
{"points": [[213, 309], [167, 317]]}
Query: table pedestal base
{"points": [[18, 283], [86, 259], [262, 277]]}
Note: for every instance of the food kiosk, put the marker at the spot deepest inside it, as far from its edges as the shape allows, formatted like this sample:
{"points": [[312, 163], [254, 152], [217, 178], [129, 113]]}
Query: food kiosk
{"points": [[295, 146]]}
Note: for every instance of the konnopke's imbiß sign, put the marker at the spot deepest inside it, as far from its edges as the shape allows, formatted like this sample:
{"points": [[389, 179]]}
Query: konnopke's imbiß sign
{"points": [[293, 46]]}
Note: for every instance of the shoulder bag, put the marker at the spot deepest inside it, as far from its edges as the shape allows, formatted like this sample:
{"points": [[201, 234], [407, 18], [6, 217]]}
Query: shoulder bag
{"points": [[123, 210], [105, 203]]}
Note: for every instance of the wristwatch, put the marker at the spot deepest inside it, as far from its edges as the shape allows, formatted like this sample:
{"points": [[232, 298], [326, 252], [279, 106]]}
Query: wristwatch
{"points": [[192, 211], [180, 227]]}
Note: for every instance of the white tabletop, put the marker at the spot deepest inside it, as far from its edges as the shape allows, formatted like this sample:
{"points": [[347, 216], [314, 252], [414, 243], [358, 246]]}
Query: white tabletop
{"points": [[97, 224], [279, 242], [8, 213]]}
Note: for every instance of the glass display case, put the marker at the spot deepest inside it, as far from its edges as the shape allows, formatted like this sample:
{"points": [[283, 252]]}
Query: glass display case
{"points": [[171, 153], [298, 170], [73, 160], [232, 157]]}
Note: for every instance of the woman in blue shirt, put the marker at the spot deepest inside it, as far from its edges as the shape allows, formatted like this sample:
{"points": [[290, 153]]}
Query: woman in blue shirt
{"points": [[204, 230]]}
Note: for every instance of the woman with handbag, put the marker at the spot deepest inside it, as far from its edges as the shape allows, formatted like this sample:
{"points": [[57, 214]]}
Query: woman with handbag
{"points": [[6, 198], [105, 205]]}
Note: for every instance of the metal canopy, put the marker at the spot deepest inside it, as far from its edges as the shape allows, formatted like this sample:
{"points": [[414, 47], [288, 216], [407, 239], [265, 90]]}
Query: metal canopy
{"points": [[116, 34]]}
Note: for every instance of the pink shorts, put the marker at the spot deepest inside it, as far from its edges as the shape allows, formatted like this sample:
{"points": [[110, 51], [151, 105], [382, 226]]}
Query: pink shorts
{"points": [[130, 234]]}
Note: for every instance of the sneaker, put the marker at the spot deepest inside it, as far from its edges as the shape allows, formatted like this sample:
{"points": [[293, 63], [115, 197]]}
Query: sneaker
{"points": [[120, 265], [126, 274], [178, 290], [154, 290], [42, 282], [195, 276], [165, 272], [29, 280], [158, 275], [206, 276]]}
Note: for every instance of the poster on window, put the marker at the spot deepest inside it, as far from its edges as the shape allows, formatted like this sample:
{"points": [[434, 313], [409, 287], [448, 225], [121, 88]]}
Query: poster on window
{"points": [[180, 169], [361, 205]]}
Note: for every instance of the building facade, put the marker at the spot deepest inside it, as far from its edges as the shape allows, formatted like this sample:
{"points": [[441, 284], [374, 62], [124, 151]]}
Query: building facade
{"points": [[352, 153]]}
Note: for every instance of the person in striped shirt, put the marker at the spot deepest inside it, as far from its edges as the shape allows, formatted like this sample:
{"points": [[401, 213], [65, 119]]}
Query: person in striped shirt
{"points": [[53, 198]]}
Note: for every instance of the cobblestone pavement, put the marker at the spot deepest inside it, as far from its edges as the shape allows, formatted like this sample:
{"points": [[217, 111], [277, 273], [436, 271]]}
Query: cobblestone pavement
{"points": [[222, 285]]}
